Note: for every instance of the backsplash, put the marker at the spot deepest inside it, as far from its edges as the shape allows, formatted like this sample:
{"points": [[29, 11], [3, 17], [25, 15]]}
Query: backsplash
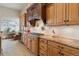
{"points": [[71, 31], [67, 31]]}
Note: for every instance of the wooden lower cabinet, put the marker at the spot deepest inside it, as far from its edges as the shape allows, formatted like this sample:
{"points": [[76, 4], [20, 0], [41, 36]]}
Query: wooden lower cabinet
{"points": [[63, 53], [34, 47], [56, 49], [42, 47], [52, 51], [66, 50], [29, 44], [52, 48]]}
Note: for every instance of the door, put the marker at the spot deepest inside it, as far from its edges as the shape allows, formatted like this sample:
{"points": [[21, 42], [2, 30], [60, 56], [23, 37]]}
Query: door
{"points": [[73, 13], [60, 13], [50, 14]]}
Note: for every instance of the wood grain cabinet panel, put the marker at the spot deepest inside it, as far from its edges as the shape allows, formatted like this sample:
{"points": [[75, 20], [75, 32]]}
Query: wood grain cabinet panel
{"points": [[63, 53], [53, 49], [50, 14], [72, 13], [34, 44], [43, 47], [29, 44], [60, 13], [70, 50]]}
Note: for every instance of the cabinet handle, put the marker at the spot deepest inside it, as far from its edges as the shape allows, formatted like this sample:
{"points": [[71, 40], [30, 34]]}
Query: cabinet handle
{"points": [[59, 46], [66, 20], [59, 52], [62, 48]]}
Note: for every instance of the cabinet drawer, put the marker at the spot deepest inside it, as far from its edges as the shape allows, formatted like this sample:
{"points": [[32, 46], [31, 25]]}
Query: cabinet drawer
{"points": [[44, 53], [54, 44], [43, 41], [70, 50], [63, 53], [43, 46]]}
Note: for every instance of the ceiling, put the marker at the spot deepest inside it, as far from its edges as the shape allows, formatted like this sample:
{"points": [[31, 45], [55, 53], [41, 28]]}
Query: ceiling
{"points": [[15, 6]]}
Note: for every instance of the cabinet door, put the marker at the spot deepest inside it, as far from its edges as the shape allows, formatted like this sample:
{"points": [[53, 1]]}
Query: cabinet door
{"points": [[50, 14], [29, 43], [26, 42], [73, 13], [60, 13], [52, 51], [35, 46]]}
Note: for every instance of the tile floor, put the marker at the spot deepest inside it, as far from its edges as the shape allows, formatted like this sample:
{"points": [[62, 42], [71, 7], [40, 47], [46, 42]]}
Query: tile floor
{"points": [[14, 48]]}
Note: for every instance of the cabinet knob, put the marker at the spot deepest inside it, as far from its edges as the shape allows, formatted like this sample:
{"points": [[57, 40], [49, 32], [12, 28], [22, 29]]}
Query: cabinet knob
{"points": [[59, 52], [62, 54], [62, 48], [66, 20]]}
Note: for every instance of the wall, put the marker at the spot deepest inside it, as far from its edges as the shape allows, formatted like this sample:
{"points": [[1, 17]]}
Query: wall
{"points": [[8, 13]]}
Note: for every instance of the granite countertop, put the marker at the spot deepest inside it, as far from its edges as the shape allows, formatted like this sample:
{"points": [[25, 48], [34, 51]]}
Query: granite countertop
{"points": [[66, 41]]}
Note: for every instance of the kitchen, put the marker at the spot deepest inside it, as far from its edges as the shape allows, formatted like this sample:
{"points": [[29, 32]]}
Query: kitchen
{"points": [[50, 29], [54, 28]]}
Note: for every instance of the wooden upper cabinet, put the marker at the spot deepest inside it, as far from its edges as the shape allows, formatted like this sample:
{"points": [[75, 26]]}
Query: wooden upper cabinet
{"points": [[50, 14], [55, 14], [72, 13], [60, 13]]}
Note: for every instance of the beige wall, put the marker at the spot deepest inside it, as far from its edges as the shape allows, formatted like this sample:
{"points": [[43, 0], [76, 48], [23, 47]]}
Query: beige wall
{"points": [[8, 13]]}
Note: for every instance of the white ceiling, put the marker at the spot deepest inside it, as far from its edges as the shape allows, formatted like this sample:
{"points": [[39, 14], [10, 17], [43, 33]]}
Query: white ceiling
{"points": [[16, 6]]}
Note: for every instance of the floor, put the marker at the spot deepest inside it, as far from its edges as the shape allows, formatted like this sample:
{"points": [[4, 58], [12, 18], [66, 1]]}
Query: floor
{"points": [[14, 48]]}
